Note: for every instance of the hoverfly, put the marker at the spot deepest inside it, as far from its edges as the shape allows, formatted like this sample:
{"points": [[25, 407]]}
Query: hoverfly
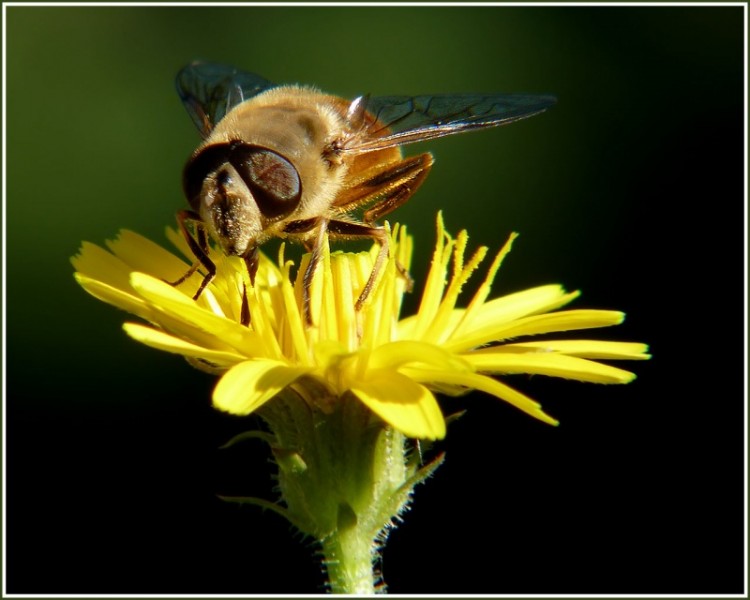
{"points": [[287, 161]]}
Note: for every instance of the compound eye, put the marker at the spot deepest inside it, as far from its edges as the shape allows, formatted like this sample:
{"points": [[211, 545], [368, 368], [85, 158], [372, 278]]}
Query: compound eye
{"points": [[271, 178], [198, 168]]}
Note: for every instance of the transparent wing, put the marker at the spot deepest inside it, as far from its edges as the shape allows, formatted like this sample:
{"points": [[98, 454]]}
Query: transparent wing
{"points": [[407, 119], [210, 90]]}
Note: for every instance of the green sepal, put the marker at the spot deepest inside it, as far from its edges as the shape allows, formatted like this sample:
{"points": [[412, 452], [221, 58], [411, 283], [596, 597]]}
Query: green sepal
{"points": [[250, 435], [264, 504]]}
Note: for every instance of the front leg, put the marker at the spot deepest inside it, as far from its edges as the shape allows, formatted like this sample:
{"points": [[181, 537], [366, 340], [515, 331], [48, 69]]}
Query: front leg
{"points": [[198, 247], [295, 228], [251, 264], [307, 278]]}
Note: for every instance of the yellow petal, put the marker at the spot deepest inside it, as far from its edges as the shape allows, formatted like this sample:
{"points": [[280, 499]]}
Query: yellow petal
{"points": [[439, 330], [340, 305], [409, 407], [434, 286], [163, 341], [95, 262], [494, 314], [141, 254], [536, 300], [119, 297], [398, 354], [252, 383], [568, 320], [548, 363], [597, 349], [195, 322], [485, 384], [483, 291]]}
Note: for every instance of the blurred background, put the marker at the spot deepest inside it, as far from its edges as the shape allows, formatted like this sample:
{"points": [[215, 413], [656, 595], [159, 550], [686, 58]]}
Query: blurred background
{"points": [[630, 189]]}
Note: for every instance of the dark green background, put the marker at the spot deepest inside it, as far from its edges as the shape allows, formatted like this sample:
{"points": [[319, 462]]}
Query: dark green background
{"points": [[630, 189]]}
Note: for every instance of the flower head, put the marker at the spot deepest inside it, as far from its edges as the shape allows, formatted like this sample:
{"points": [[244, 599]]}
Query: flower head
{"points": [[391, 365]]}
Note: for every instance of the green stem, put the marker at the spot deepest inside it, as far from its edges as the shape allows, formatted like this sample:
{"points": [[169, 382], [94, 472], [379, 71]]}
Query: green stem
{"points": [[348, 556], [344, 476]]}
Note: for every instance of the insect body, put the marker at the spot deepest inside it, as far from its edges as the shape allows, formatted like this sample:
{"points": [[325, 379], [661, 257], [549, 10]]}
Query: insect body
{"points": [[292, 162]]}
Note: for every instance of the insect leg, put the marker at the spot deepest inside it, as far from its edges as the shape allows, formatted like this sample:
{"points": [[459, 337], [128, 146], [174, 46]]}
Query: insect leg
{"points": [[311, 266], [400, 181], [313, 246], [198, 247], [251, 264], [384, 188], [346, 229]]}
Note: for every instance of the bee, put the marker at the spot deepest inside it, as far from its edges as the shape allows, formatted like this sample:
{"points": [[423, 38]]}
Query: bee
{"points": [[291, 162]]}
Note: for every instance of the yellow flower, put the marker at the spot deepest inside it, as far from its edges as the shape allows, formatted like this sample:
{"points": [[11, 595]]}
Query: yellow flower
{"points": [[338, 396], [391, 365]]}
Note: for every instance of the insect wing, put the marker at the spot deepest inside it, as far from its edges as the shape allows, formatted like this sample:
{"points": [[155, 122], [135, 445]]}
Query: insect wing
{"points": [[407, 119], [210, 90]]}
